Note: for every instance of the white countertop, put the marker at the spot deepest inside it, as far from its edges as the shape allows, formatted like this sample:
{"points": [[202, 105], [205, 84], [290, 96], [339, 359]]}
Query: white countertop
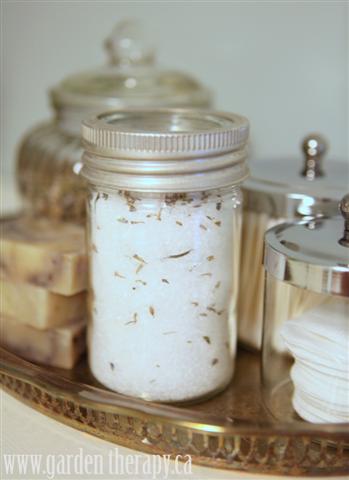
{"points": [[26, 432]]}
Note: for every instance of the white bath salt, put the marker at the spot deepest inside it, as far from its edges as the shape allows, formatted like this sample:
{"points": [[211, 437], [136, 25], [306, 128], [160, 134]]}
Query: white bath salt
{"points": [[163, 290]]}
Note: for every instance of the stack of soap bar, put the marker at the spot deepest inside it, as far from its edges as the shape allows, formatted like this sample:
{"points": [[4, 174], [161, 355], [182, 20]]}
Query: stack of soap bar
{"points": [[46, 254], [57, 347], [43, 272], [39, 307]]}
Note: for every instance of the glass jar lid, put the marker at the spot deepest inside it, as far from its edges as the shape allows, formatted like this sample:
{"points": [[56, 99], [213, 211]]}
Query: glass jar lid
{"points": [[165, 150], [311, 254], [292, 189], [131, 79]]}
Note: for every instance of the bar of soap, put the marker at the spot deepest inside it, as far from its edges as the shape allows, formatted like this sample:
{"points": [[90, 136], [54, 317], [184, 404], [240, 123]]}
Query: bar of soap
{"points": [[58, 347], [39, 308], [44, 253]]}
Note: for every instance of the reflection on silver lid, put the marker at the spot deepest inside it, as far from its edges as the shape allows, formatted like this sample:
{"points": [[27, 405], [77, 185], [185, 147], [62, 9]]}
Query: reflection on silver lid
{"points": [[297, 187], [310, 254]]}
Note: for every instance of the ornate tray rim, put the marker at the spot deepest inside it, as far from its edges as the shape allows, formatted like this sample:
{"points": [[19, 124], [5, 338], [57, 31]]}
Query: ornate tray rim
{"points": [[143, 425]]}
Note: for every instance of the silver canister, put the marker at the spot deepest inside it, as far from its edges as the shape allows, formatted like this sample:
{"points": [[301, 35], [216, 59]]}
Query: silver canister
{"points": [[279, 191], [306, 319]]}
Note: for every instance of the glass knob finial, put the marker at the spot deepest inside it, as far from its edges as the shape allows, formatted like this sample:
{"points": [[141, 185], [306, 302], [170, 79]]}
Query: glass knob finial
{"points": [[126, 45]]}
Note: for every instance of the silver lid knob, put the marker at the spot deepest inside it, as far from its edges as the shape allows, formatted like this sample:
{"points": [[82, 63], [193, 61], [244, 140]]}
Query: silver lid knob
{"points": [[344, 209], [314, 147]]}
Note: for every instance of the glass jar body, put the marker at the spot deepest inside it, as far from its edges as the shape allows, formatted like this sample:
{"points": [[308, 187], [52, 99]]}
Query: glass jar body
{"points": [[48, 166], [164, 272], [305, 354], [49, 158]]}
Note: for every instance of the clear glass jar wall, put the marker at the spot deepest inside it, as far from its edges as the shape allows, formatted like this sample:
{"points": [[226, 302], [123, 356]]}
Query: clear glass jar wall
{"points": [[164, 223], [164, 282], [48, 166], [251, 282], [305, 354]]}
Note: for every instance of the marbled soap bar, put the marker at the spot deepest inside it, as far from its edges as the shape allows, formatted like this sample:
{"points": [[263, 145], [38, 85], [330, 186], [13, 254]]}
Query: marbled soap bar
{"points": [[43, 253], [39, 308], [58, 347]]}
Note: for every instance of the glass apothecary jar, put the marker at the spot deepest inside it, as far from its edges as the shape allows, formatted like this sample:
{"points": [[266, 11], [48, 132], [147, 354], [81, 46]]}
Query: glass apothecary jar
{"points": [[277, 191], [164, 239], [49, 158], [306, 320]]}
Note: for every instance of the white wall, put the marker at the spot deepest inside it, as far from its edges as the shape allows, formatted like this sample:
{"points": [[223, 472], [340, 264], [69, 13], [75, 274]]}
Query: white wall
{"points": [[282, 64]]}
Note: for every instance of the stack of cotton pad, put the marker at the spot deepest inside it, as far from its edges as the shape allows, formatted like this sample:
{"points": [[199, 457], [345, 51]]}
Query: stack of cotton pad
{"points": [[319, 342]]}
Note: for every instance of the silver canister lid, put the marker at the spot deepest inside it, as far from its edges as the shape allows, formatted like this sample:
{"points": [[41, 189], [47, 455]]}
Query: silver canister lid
{"points": [[311, 254], [298, 188], [165, 150]]}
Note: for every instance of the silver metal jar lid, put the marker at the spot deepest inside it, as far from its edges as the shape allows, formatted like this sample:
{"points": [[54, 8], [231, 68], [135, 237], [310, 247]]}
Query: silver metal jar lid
{"points": [[311, 254], [291, 189], [165, 150]]}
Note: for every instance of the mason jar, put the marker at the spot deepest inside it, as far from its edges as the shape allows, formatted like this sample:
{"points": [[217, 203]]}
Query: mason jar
{"points": [[306, 320], [49, 157], [164, 215], [278, 191]]}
